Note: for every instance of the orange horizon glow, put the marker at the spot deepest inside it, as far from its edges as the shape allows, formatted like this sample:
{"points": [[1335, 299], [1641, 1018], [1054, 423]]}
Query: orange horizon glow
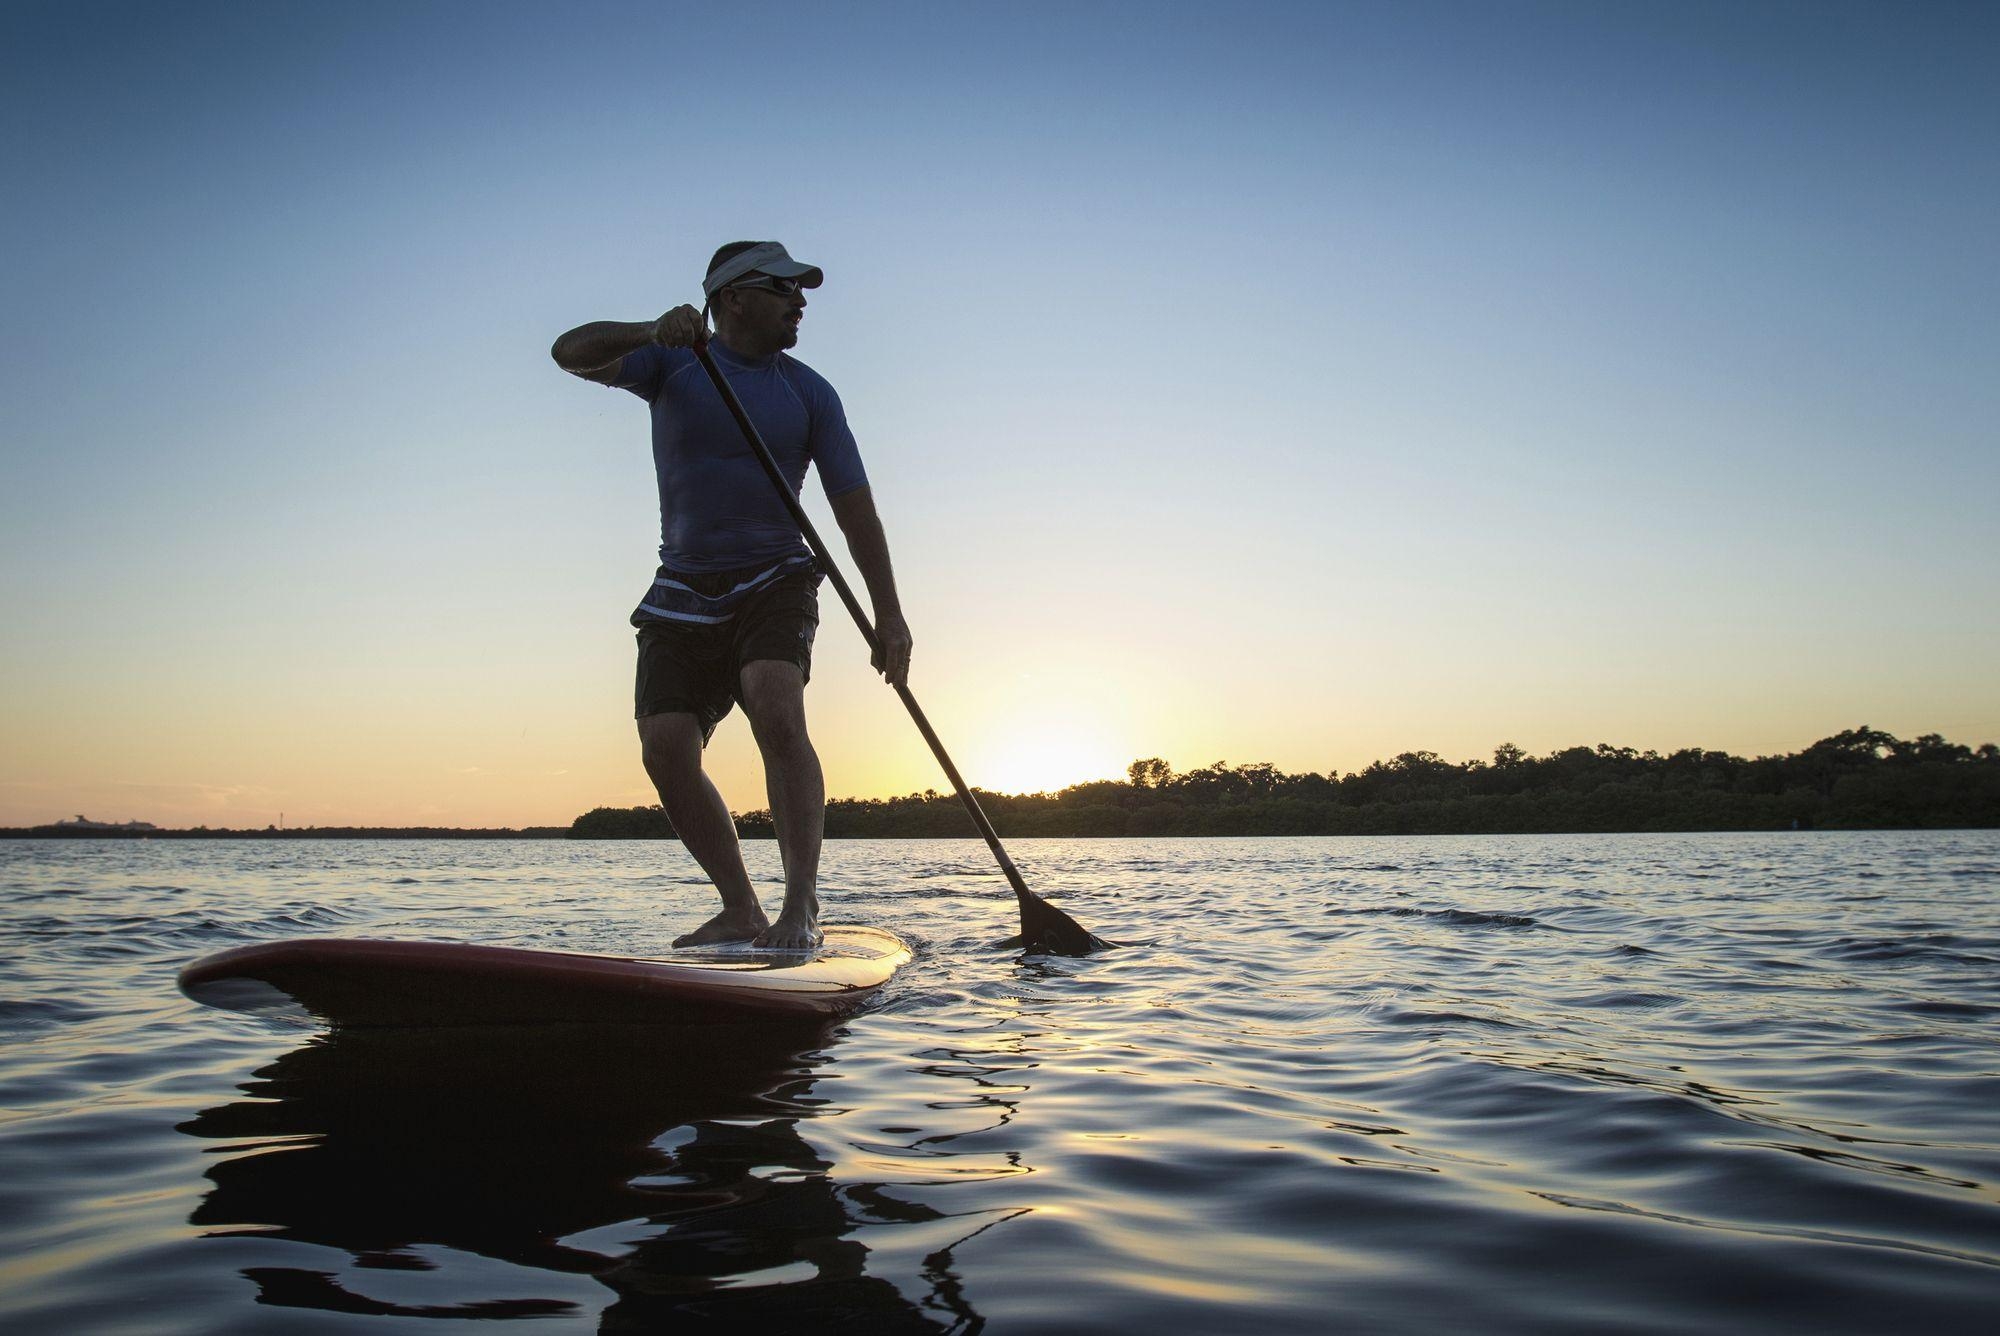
{"points": [[521, 788], [1416, 401]]}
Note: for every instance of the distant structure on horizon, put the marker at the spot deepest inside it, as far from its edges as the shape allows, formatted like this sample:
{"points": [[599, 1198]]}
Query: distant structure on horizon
{"points": [[83, 822]]}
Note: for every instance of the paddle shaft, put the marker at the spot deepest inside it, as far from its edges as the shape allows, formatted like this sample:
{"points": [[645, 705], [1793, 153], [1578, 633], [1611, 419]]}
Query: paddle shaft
{"points": [[840, 585]]}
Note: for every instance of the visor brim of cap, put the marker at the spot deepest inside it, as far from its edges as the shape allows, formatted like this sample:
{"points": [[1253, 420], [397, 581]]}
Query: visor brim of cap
{"points": [[808, 275], [766, 257]]}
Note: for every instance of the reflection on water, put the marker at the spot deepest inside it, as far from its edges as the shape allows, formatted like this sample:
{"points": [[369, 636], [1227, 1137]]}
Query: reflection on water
{"points": [[1498, 1084], [665, 1164]]}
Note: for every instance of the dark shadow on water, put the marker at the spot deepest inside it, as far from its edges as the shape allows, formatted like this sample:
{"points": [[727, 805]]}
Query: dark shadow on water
{"points": [[511, 1143]]}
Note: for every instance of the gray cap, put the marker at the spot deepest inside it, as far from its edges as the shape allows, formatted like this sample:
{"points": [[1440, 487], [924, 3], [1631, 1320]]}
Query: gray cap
{"points": [[766, 257]]}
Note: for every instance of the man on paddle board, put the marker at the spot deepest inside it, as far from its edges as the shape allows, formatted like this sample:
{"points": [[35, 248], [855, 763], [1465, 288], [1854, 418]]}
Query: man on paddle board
{"points": [[732, 611]]}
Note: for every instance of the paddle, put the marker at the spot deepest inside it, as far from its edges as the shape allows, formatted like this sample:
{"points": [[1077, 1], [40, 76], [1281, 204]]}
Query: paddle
{"points": [[1043, 926]]}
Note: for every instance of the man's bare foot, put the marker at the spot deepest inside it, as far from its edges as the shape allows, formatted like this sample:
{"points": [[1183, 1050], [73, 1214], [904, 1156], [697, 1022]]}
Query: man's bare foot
{"points": [[728, 926], [795, 930]]}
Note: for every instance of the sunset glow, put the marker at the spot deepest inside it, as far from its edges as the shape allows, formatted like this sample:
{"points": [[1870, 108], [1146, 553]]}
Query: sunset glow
{"points": [[1561, 383], [1045, 758]]}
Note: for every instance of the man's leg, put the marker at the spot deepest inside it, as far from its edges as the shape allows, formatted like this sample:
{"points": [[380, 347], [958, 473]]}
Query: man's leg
{"points": [[774, 696], [671, 744]]}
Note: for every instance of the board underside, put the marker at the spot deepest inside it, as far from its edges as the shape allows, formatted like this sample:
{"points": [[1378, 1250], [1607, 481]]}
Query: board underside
{"points": [[369, 982]]}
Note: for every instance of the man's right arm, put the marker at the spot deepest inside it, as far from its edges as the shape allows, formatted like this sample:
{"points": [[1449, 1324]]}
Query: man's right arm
{"points": [[594, 351]]}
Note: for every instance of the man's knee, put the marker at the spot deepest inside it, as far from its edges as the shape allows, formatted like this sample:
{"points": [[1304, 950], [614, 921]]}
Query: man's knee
{"points": [[670, 747], [774, 697]]}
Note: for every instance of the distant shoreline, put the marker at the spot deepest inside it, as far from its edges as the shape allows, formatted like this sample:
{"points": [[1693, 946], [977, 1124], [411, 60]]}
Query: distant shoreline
{"points": [[1859, 779], [52, 832], [559, 833]]}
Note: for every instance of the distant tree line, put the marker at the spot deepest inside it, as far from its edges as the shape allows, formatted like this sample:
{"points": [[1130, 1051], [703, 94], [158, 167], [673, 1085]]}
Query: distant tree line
{"points": [[1859, 779], [632, 823]]}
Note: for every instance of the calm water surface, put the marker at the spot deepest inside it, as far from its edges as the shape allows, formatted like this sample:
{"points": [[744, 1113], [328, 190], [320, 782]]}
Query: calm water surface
{"points": [[1534, 1084]]}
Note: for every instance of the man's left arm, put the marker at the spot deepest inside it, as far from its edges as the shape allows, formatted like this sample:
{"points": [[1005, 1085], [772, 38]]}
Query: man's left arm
{"points": [[855, 513]]}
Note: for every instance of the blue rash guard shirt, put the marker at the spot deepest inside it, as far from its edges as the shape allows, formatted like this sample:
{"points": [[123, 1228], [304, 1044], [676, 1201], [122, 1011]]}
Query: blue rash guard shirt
{"points": [[718, 511]]}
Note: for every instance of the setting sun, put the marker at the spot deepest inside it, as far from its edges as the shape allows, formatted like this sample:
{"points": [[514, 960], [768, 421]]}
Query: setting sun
{"points": [[1044, 755]]}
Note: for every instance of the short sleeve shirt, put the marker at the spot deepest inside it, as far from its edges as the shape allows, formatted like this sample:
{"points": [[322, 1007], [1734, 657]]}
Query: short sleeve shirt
{"points": [[718, 510]]}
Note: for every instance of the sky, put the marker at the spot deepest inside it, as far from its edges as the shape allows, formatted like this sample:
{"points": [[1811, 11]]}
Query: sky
{"points": [[1302, 384]]}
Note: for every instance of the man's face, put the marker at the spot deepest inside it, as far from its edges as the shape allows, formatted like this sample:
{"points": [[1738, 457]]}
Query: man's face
{"points": [[768, 311]]}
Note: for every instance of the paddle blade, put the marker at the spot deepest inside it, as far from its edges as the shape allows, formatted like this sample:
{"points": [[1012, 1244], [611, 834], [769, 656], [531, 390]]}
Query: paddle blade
{"points": [[1046, 928]]}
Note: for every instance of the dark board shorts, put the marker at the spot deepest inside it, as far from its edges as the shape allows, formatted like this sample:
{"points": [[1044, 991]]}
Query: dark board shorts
{"points": [[696, 668]]}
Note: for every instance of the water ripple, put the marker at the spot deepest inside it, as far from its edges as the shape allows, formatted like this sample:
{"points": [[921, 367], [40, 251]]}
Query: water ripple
{"points": [[1510, 1084]]}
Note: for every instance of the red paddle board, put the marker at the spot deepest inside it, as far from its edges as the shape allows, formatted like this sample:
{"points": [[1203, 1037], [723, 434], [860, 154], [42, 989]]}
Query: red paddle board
{"points": [[358, 981]]}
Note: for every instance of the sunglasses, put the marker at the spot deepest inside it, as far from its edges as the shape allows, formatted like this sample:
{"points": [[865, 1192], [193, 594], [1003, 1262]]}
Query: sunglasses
{"points": [[784, 287]]}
